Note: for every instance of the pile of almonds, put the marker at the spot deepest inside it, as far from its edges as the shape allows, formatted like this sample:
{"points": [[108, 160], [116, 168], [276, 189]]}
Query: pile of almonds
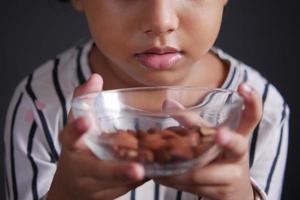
{"points": [[173, 144]]}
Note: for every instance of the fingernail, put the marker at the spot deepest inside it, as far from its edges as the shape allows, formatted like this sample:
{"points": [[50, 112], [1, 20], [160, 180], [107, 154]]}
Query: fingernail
{"points": [[247, 89], [140, 172], [90, 78], [81, 124], [224, 136], [136, 172], [171, 105]]}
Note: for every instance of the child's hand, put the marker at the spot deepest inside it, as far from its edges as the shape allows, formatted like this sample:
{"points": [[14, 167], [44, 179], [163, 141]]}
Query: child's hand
{"points": [[227, 177], [80, 175]]}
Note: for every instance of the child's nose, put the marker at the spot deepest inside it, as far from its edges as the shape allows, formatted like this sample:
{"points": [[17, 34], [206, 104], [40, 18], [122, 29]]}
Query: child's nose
{"points": [[159, 17]]}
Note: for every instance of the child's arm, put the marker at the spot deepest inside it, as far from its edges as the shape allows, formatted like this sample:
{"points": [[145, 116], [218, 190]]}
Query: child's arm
{"points": [[29, 158], [229, 176]]}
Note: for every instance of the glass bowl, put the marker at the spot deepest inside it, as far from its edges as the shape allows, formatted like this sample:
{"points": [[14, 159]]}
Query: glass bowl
{"points": [[166, 129]]}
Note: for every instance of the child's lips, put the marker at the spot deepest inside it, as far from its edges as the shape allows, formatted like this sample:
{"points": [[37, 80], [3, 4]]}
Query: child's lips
{"points": [[159, 61], [159, 58]]}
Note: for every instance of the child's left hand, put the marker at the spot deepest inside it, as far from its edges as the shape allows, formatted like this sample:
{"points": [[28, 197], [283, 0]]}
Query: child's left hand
{"points": [[228, 177]]}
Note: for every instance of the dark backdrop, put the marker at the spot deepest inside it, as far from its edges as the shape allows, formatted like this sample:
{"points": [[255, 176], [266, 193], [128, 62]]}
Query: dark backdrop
{"points": [[261, 33]]}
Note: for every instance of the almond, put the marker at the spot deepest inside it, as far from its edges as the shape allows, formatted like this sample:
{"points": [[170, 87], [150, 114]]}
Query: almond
{"points": [[207, 131]]}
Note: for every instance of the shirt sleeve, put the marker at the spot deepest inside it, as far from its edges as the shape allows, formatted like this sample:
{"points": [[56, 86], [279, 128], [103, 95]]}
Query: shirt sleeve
{"points": [[269, 145], [29, 160]]}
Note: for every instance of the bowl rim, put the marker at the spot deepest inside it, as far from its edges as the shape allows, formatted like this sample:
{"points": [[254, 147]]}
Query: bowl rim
{"points": [[174, 87], [76, 100]]}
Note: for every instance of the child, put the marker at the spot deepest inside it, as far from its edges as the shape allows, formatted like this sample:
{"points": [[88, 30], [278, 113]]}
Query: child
{"points": [[142, 43]]}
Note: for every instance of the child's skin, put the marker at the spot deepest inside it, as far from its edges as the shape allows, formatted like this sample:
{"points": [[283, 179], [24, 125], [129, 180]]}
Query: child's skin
{"points": [[122, 31]]}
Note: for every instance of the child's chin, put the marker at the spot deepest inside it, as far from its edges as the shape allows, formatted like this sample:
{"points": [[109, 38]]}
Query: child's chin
{"points": [[162, 80]]}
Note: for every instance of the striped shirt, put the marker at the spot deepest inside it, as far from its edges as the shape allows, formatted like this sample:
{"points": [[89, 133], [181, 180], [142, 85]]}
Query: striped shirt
{"points": [[38, 112]]}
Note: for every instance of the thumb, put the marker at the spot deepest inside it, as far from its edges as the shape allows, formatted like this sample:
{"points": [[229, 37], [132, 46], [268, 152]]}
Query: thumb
{"points": [[253, 109], [93, 84], [75, 128]]}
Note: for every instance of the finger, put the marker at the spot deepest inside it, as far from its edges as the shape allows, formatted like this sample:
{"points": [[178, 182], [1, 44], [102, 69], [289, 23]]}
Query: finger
{"points": [[113, 171], [176, 110], [93, 84], [211, 175], [235, 145], [92, 185], [253, 109], [72, 134], [227, 191], [114, 184]]}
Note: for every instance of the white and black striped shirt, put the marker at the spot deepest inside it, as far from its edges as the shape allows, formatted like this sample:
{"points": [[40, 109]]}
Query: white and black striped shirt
{"points": [[38, 112]]}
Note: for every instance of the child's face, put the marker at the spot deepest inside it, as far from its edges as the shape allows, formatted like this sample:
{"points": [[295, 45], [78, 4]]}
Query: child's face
{"points": [[126, 31]]}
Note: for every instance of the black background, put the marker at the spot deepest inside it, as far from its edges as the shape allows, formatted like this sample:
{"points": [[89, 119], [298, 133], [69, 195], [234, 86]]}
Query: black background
{"points": [[261, 33]]}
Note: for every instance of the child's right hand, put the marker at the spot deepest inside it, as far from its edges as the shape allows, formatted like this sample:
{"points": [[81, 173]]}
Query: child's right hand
{"points": [[79, 174]]}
